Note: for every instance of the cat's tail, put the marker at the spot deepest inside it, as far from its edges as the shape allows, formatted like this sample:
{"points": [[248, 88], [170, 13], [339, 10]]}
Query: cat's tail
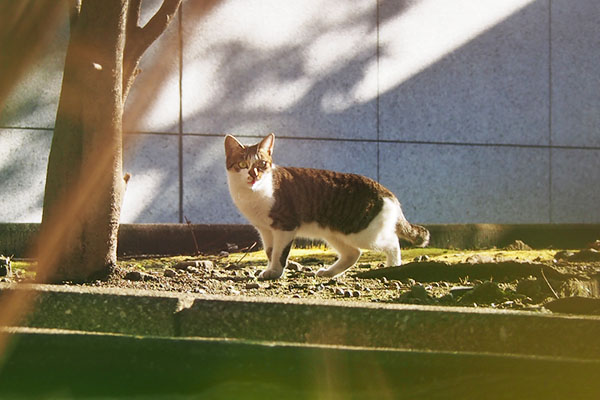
{"points": [[415, 234]]}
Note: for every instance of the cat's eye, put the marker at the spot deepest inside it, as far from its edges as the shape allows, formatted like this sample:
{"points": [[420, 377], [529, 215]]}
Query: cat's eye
{"points": [[243, 164], [262, 164]]}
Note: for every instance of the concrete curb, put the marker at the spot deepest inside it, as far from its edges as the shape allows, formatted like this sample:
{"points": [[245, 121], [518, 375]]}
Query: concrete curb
{"points": [[174, 239], [415, 328], [82, 365]]}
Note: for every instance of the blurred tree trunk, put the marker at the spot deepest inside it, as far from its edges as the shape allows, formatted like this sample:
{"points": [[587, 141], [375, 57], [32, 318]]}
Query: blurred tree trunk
{"points": [[85, 183]]}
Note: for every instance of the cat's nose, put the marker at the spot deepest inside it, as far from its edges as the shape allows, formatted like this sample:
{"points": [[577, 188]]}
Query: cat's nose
{"points": [[253, 173]]}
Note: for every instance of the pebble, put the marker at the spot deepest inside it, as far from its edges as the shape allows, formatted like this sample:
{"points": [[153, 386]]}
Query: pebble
{"points": [[310, 274], [206, 264], [347, 293], [224, 254], [185, 264], [170, 273], [293, 266], [252, 285], [339, 291], [192, 270], [134, 276], [297, 296], [356, 293]]}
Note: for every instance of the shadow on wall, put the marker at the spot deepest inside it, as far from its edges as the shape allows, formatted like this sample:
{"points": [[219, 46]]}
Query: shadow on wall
{"points": [[415, 93]]}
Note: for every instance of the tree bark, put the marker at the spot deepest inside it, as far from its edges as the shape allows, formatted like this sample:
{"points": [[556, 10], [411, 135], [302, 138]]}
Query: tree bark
{"points": [[84, 181], [84, 184]]}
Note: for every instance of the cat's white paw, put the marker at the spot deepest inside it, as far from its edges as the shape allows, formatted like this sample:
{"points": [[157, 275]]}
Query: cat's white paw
{"points": [[270, 274], [326, 273]]}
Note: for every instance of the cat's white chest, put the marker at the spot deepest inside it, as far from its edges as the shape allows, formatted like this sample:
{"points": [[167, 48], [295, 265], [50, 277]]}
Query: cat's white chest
{"points": [[254, 202]]}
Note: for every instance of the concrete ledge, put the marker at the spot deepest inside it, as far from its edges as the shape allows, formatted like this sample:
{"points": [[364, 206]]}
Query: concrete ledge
{"points": [[174, 239], [415, 328], [81, 365]]}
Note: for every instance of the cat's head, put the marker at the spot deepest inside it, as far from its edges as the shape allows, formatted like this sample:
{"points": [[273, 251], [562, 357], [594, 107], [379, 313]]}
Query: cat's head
{"points": [[249, 163]]}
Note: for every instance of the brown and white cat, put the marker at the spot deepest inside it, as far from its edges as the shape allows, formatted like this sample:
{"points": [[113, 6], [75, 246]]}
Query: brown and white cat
{"points": [[350, 212]]}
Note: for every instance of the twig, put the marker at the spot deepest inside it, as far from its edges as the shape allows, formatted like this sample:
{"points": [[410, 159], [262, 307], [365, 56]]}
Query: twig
{"points": [[246, 253], [189, 224], [548, 283]]}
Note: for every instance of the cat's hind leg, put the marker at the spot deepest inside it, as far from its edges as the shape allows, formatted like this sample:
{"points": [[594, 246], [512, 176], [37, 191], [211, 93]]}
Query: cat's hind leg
{"points": [[282, 244], [392, 253], [348, 255]]}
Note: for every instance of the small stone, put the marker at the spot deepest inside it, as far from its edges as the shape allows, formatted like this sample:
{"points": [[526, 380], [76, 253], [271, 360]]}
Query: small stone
{"points": [[310, 274], [199, 290], [339, 291], [186, 264], [234, 292], [206, 264], [460, 290], [356, 293], [192, 270], [297, 296], [347, 293], [479, 259], [252, 285], [224, 254], [311, 292], [518, 245], [134, 276], [384, 280], [293, 266], [563, 255], [149, 278], [170, 273]]}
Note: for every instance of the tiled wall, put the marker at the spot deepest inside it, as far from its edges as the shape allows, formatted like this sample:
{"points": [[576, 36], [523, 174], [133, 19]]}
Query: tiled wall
{"points": [[470, 111]]}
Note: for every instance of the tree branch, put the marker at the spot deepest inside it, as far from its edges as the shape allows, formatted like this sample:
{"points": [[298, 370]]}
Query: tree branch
{"points": [[74, 10], [133, 16], [139, 39]]}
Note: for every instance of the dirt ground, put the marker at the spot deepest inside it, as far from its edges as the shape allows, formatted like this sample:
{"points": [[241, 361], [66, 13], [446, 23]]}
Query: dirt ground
{"points": [[516, 277]]}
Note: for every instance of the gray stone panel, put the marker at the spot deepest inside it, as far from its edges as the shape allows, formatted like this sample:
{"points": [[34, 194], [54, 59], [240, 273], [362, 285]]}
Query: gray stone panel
{"points": [[205, 193], [34, 99], [23, 163], [468, 184], [298, 69], [575, 190], [469, 73], [153, 191], [575, 73]]}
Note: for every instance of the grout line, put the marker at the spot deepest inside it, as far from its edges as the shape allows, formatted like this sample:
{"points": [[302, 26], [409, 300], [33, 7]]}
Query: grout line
{"points": [[351, 140], [550, 113], [180, 133], [377, 103]]}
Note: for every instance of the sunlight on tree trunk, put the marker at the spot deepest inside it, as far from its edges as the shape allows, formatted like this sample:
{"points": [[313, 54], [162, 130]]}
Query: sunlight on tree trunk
{"points": [[85, 182]]}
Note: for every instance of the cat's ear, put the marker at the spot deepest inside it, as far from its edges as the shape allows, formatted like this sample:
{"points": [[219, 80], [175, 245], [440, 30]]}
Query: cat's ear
{"points": [[232, 145], [267, 144]]}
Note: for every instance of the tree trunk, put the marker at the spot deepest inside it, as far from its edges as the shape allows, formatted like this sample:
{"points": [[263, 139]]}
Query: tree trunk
{"points": [[84, 183]]}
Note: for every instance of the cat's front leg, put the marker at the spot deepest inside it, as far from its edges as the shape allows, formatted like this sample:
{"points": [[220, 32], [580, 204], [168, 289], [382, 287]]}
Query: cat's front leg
{"points": [[282, 244], [266, 235]]}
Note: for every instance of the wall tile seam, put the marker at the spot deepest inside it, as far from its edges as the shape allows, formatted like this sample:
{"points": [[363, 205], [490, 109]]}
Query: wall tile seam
{"points": [[334, 139]]}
